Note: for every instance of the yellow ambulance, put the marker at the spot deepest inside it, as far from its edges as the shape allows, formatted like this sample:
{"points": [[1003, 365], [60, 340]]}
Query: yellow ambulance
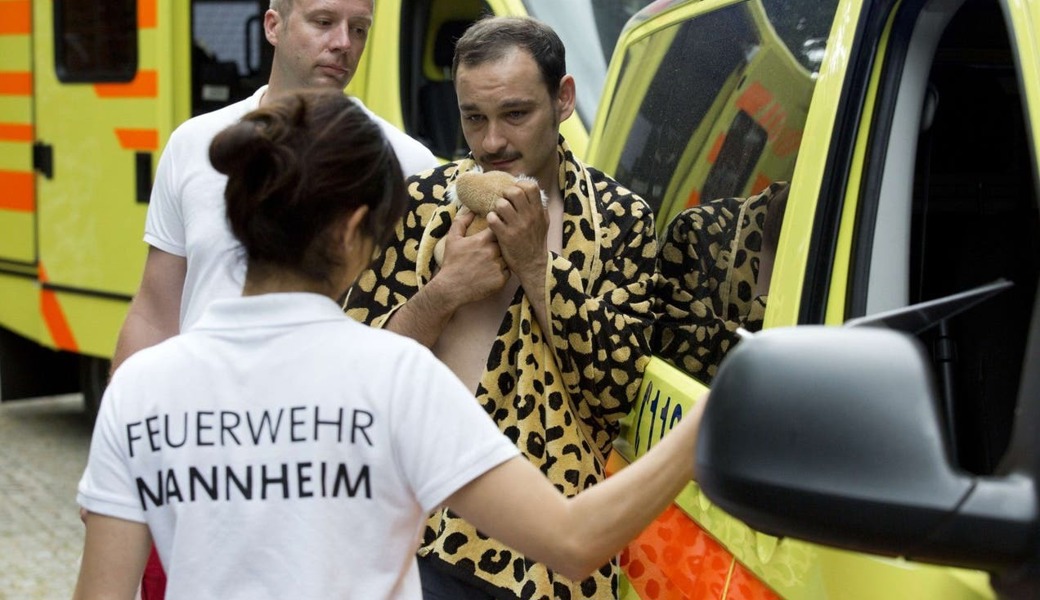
{"points": [[90, 92], [908, 131]]}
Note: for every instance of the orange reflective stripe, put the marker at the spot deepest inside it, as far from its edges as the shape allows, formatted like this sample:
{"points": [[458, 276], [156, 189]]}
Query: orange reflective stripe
{"points": [[55, 319], [17, 191], [144, 85], [745, 586], [761, 183], [754, 99], [146, 14], [15, 132], [138, 139], [674, 559], [716, 148], [15, 17], [693, 199], [15, 83]]}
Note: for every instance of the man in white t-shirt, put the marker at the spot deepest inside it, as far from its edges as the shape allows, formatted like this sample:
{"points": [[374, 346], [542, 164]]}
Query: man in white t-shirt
{"points": [[192, 256]]}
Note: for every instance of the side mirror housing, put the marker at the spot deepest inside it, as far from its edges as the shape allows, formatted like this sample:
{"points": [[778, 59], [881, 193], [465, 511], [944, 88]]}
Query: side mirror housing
{"points": [[833, 435]]}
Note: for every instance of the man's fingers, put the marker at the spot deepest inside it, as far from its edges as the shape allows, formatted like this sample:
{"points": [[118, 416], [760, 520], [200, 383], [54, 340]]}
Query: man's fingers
{"points": [[461, 223]]}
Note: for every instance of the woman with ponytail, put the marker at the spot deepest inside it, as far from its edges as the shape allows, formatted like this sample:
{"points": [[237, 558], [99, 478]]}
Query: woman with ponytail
{"points": [[278, 449]]}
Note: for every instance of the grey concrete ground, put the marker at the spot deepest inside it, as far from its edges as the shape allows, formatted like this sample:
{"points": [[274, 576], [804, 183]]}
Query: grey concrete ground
{"points": [[43, 449]]}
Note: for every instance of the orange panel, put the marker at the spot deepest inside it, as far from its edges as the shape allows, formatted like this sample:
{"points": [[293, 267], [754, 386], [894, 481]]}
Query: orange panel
{"points": [[15, 83], [138, 139], [15, 132], [716, 148], [761, 183], [745, 586], [145, 85], [15, 17], [17, 191], [693, 199], [146, 14], [754, 98], [674, 559], [55, 319]]}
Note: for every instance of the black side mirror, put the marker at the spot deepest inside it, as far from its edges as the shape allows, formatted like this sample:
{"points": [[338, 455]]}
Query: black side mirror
{"points": [[834, 435]]}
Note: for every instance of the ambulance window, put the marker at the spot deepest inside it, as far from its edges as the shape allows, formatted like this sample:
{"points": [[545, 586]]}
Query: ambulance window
{"points": [[95, 41], [700, 58], [965, 203], [725, 101], [803, 25], [230, 58]]}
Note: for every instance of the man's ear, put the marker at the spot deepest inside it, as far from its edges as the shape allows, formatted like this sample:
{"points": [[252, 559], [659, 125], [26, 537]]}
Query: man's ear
{"points": [[271, 22], [565, 98]]}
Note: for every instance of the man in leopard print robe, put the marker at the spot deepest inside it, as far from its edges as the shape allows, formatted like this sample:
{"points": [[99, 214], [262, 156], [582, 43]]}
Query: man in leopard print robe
{"points": [[714, 264], [546, 315]]}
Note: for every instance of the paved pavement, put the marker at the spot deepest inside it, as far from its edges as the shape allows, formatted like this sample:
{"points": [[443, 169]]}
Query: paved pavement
{"points": [[43, 449]]}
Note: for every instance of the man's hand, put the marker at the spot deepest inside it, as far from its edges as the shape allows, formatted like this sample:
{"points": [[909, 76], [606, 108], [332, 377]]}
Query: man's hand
{"points": [[473, 266], [473, 269], [521, 225]]}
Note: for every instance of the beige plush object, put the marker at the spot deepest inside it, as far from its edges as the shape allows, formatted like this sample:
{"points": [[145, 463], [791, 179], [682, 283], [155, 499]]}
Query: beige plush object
{"points": [[476, 191]]}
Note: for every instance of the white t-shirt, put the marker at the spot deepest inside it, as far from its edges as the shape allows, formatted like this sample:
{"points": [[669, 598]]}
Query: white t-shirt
{"points": [[186, 214], [279, 449]]}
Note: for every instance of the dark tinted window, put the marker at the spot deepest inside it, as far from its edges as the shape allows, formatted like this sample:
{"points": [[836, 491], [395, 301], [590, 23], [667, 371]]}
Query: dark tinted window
{"points": [[702, 54], [803, 25], [975, 220], [725, 102], [229, 54], [95, 41]]}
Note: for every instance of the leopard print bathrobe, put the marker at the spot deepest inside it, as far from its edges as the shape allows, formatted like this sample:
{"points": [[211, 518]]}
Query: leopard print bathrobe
{"points": [[708, 267], [559, 396]]}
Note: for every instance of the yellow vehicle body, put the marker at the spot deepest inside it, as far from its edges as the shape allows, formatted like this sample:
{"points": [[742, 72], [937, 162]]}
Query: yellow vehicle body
{"points": [[88, 99], [75, 160], [822, 129]]}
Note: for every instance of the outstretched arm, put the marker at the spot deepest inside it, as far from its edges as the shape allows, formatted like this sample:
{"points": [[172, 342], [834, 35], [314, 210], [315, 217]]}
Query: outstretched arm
{"points": [[516, 504]]}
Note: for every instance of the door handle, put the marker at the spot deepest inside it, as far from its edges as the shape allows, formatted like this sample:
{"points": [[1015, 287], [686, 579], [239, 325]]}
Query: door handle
{"points": [[43, 159]]}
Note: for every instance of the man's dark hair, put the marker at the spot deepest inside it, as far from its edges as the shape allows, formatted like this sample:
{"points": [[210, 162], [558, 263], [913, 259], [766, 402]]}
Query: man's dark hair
{"points": [[492, 38]]}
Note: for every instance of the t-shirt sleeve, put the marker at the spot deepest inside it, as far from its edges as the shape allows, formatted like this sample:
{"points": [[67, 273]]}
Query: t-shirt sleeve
{"points": [[164, 222], [443, 439], [107, 486]]}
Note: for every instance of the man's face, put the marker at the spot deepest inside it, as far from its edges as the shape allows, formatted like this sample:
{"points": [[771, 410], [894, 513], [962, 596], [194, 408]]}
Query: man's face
{"points": [[318, 43], [509, 120]]}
